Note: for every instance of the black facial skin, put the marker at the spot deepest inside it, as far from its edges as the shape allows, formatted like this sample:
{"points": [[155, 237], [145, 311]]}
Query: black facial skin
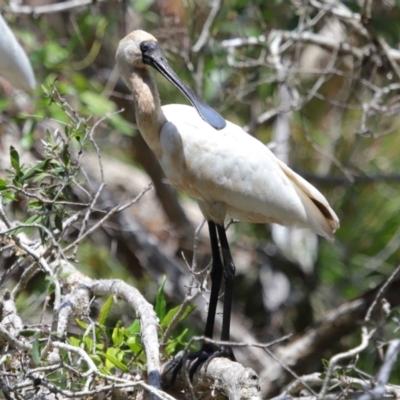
{"points": [[153, 55]]}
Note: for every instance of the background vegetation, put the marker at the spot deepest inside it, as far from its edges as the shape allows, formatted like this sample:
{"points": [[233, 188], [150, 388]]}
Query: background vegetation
{"points": [[317, 81]]}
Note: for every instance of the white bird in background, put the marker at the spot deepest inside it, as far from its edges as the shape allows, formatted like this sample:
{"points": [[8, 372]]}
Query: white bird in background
{"points": [[14, 63], [227, 171]]}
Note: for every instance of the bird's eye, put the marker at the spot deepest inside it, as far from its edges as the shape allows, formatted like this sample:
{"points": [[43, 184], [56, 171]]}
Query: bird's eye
{"points": [[144, 46]]}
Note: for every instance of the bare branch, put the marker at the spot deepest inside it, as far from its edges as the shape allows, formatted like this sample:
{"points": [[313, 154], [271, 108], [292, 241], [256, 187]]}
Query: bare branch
{"points": [[223, 375], [382, 378], [205, 33], [110, 213], [48, 8], [365, 337]]}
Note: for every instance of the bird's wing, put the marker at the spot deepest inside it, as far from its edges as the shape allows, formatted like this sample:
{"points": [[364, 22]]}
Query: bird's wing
{"points": [[14, 63], [232, 168]]}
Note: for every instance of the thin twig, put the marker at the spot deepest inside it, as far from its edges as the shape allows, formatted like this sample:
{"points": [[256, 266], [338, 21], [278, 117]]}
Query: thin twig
{"points": [[380, 294], [110, 213], [205, 32], [48, 8], [365, 336]]}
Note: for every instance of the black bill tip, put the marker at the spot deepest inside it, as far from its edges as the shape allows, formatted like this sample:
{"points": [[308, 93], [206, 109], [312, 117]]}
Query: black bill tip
{"points": [[153, 55]]}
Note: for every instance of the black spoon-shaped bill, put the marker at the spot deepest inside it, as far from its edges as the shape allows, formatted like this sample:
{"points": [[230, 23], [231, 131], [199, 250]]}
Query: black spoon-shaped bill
{"points": [[153, 55]]}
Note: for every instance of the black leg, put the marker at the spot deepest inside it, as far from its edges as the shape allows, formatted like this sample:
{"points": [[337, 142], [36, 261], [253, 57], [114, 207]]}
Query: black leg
{"points": [[229, 276], [226, 269], [216, 278]]}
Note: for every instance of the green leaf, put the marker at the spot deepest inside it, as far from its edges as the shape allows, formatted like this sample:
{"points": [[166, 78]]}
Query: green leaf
{"points": [[88, 343], [121, 125], [96, 358], [74, 341], [82, 324], [54, 54], [9, 196], [58, 222], [142, 5], [27, 332], [161, 304], [37, 169], [33, 218], [41, 176], [114, 360], [133, 344], [3, 184], [104, 370], [14, 156], [134, 329], [171, 348], [105, 311], [35, 204], [171, 314], [169, 317], [96, 103], [117, 335], [36, 352], [66, 156]]}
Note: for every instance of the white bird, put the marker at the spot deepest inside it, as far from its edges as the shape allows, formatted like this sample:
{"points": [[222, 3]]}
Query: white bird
{"points": [[14, 63], [227, 171]]}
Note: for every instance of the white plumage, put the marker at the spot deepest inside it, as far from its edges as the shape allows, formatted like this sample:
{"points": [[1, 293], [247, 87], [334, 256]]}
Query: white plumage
{"points": [[14, 63], [231, 173]]}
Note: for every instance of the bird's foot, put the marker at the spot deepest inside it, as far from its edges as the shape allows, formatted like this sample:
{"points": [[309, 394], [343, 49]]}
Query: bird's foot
{"points": [[203, 356]]}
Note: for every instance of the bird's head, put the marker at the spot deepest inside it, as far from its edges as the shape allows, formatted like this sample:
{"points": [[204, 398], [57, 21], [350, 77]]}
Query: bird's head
{"points": [[138, 50], [129, 54]]}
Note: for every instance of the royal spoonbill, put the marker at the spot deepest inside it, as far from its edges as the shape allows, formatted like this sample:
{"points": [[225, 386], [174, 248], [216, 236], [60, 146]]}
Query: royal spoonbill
{"points": [[227, 171]]}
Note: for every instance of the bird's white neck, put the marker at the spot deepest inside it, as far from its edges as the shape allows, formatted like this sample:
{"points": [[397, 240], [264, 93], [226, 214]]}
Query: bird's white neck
{"points": [[149, 116]]}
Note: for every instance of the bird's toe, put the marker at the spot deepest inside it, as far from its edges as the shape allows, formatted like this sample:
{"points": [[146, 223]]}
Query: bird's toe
{"points": [[203, 356]]}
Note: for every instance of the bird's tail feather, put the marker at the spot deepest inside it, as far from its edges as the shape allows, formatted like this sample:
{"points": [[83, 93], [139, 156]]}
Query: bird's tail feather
{"points": [[320, 215]]}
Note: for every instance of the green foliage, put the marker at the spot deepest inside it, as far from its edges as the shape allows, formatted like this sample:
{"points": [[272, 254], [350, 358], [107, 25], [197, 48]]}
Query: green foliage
{"points": [[47, 185], [121, 348]]}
